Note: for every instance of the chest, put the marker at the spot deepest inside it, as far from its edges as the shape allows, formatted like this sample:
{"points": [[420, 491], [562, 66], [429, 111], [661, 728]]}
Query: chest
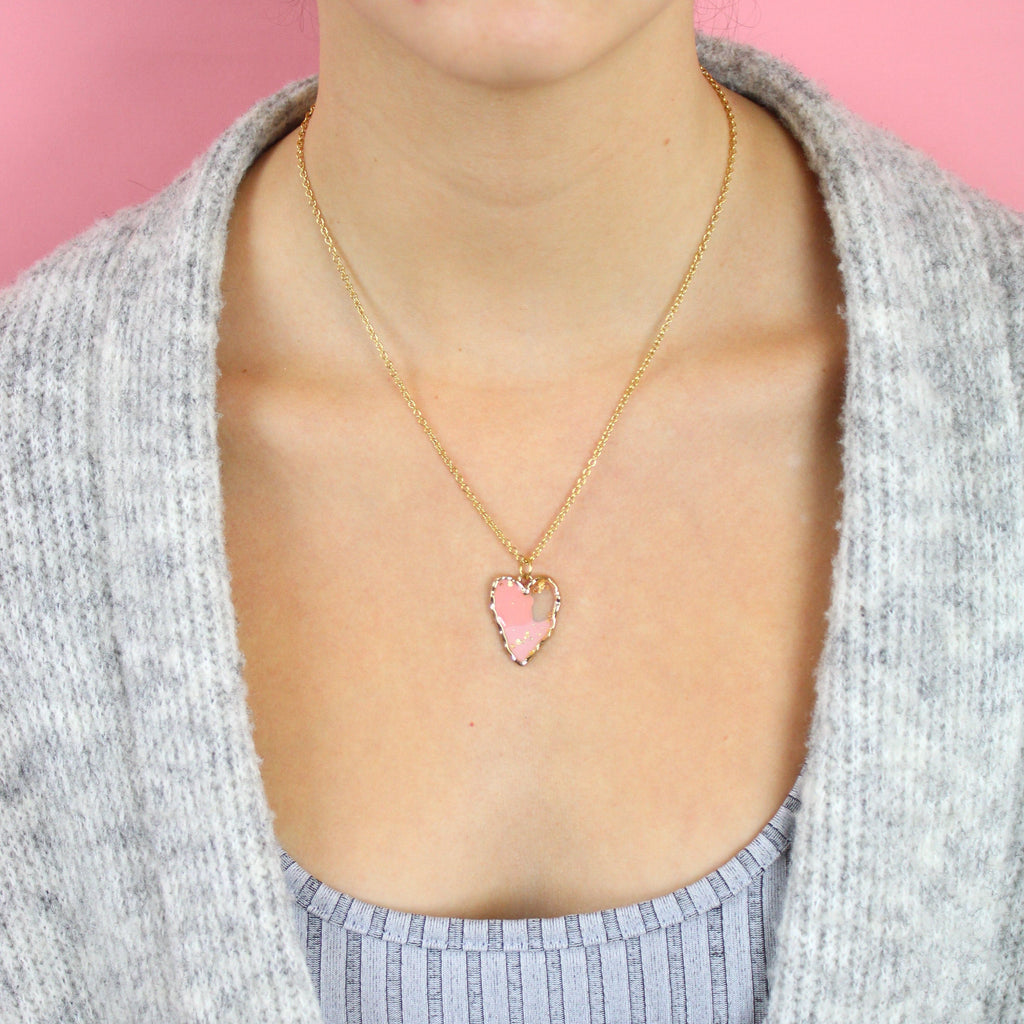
{"points": [[408, 760]]}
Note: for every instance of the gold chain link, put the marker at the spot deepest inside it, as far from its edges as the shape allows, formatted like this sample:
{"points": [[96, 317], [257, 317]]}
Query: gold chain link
{"points": [[525, 561]]}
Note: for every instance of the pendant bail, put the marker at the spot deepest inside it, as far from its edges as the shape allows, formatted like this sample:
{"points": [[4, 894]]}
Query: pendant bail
{"points": [[525, 569]]}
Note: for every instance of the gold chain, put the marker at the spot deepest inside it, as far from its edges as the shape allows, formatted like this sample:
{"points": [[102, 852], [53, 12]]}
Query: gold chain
{"points": [[525, 561]]}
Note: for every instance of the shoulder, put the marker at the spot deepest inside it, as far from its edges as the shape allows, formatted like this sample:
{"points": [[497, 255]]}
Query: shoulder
{"points": [[920, 251], [98, 274], [858, 163], [130, 278], [59, 303]]}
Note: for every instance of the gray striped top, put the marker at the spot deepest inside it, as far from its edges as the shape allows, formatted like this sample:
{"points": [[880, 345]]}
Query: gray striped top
{"points": [[699, 955]]}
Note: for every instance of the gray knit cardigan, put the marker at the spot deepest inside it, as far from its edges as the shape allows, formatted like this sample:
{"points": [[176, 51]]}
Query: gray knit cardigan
{"points": [[139, 880]]}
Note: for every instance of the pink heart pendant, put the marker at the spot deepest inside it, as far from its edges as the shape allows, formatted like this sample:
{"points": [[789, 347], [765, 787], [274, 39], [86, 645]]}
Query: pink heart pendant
{"points": [[525, 613]]}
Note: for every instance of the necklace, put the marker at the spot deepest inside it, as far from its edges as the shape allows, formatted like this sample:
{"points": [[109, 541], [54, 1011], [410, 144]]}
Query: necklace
{"points": [[524, 606]]}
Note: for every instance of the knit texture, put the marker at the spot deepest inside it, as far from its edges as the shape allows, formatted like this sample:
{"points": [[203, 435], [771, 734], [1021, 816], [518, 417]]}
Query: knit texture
{"points": [[698, 955], [139, 873]]}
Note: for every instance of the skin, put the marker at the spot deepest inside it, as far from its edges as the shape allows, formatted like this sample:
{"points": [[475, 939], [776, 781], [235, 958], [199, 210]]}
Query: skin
{"points": [[518, 188]]}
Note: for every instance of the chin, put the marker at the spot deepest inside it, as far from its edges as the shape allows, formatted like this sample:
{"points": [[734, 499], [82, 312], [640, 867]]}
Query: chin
{"points": [[509, 43]]}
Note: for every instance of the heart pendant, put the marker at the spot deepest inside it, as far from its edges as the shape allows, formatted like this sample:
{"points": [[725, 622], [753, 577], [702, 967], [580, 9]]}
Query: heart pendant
{"points": [[525, 613]]}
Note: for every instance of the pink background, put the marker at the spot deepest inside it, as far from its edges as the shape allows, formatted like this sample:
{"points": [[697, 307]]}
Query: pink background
{"points": [[105, 101]]}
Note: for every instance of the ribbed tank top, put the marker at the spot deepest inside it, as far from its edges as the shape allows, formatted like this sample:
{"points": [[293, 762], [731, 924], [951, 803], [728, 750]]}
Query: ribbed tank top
{"points": [[699, 955]]}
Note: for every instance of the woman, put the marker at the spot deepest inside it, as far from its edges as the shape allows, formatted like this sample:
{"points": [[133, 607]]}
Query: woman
{"points": [[769, 764]]}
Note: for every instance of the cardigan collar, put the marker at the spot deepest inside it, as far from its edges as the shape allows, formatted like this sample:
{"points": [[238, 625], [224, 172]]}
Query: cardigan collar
{"points": [[893, 905]]}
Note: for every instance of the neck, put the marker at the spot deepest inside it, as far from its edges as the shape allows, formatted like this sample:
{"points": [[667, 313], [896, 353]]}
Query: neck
{"points": [[531, 224]]}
